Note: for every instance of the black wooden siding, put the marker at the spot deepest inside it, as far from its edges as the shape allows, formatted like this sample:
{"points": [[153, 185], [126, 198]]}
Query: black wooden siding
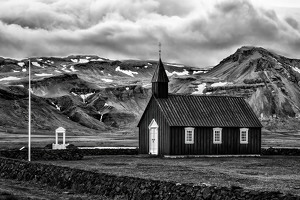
{"points": [[153, 112], [203, 142]]}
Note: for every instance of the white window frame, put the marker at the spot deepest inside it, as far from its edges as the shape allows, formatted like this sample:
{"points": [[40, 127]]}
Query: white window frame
{"points": [[247, 135], [187, 131], [214, 135]]}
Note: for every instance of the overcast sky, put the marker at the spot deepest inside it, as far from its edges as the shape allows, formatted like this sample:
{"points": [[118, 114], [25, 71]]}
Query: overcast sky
{"points": [[193, 32]]}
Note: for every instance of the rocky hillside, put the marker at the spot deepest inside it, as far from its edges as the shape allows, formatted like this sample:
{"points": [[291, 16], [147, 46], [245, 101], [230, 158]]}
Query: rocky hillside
{"points": [[269, 82], [90, 94], [86, 94]]}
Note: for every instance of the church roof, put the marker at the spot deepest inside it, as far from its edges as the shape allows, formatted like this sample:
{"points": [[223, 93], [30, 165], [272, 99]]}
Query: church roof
{"points": [[207, 111], [160, 73]]}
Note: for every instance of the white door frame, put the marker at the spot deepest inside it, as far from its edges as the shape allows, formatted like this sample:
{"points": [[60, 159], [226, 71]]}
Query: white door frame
{"points": [[153, 138]]}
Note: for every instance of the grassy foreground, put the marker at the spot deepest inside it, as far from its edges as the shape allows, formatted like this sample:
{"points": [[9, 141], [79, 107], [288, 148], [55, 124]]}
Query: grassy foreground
{"points": [[270, 173]]}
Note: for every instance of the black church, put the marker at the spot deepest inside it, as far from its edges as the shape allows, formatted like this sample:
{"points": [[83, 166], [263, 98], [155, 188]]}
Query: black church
{"points": [[185, 125]]}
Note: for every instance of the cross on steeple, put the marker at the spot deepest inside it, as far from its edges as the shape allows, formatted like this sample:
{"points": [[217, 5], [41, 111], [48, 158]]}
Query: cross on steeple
{"points": [[159, 50]]}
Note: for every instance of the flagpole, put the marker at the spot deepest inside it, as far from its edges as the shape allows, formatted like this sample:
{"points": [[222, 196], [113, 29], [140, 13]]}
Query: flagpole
{"points": [[29, 115]]}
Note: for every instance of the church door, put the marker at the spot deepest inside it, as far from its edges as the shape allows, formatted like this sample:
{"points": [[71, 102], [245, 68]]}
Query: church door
{"points": [[153, 138]]}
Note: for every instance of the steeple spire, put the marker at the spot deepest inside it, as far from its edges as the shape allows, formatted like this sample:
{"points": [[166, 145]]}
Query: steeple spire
{"points": [[160, 79]]}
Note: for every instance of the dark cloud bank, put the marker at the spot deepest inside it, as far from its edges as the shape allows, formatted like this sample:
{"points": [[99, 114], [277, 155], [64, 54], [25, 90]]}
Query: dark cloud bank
{"points": [[192, 32]]}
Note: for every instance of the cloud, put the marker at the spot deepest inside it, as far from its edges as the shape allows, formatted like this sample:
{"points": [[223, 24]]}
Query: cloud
{"points": [[198, 33]]}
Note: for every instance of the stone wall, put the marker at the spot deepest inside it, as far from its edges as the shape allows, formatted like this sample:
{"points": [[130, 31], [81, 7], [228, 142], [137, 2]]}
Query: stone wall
{"points": [[122, 187], [281, 151], [43, 154], [95, 152], [65, 154], [76, 154]]}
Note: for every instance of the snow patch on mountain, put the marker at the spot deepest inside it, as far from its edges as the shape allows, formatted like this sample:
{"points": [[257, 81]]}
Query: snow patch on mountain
{"points": [[16, 71], [81, 60], [296, 69], [24, 70], [107, 80], [36, 64], [84, 96], [199, 72], [21, 64], [128, 72], [64, 69], [43, 74], [10, 78], [200, 88], [178, 73], [99, 59], [220, 84], [50, 61], [57, 107], [73, 69]]}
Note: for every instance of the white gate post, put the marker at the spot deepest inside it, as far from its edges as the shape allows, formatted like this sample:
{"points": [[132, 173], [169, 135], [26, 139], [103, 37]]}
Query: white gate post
{"points": [[64, 138], [56, 137]]}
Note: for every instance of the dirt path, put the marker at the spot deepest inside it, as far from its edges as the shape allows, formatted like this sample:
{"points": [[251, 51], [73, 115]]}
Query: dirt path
{"points": [[30, 190]]}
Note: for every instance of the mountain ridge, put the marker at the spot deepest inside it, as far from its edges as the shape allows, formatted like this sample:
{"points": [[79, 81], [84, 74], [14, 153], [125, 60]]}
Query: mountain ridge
{"points": [[95, 94]]}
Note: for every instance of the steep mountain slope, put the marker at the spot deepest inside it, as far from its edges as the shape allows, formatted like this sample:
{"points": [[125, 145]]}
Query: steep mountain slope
{"points": [[78, 92], [274, 80], [269, 82], [45, 117]]}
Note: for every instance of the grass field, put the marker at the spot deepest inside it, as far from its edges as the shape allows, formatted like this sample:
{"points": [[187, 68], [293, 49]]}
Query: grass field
{"points": [[12, 140], [125, 138], [258, 173], [281, 139]]}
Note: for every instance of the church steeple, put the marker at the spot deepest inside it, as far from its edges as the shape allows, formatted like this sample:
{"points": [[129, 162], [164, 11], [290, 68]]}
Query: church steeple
{"points": [[160, 80]]}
